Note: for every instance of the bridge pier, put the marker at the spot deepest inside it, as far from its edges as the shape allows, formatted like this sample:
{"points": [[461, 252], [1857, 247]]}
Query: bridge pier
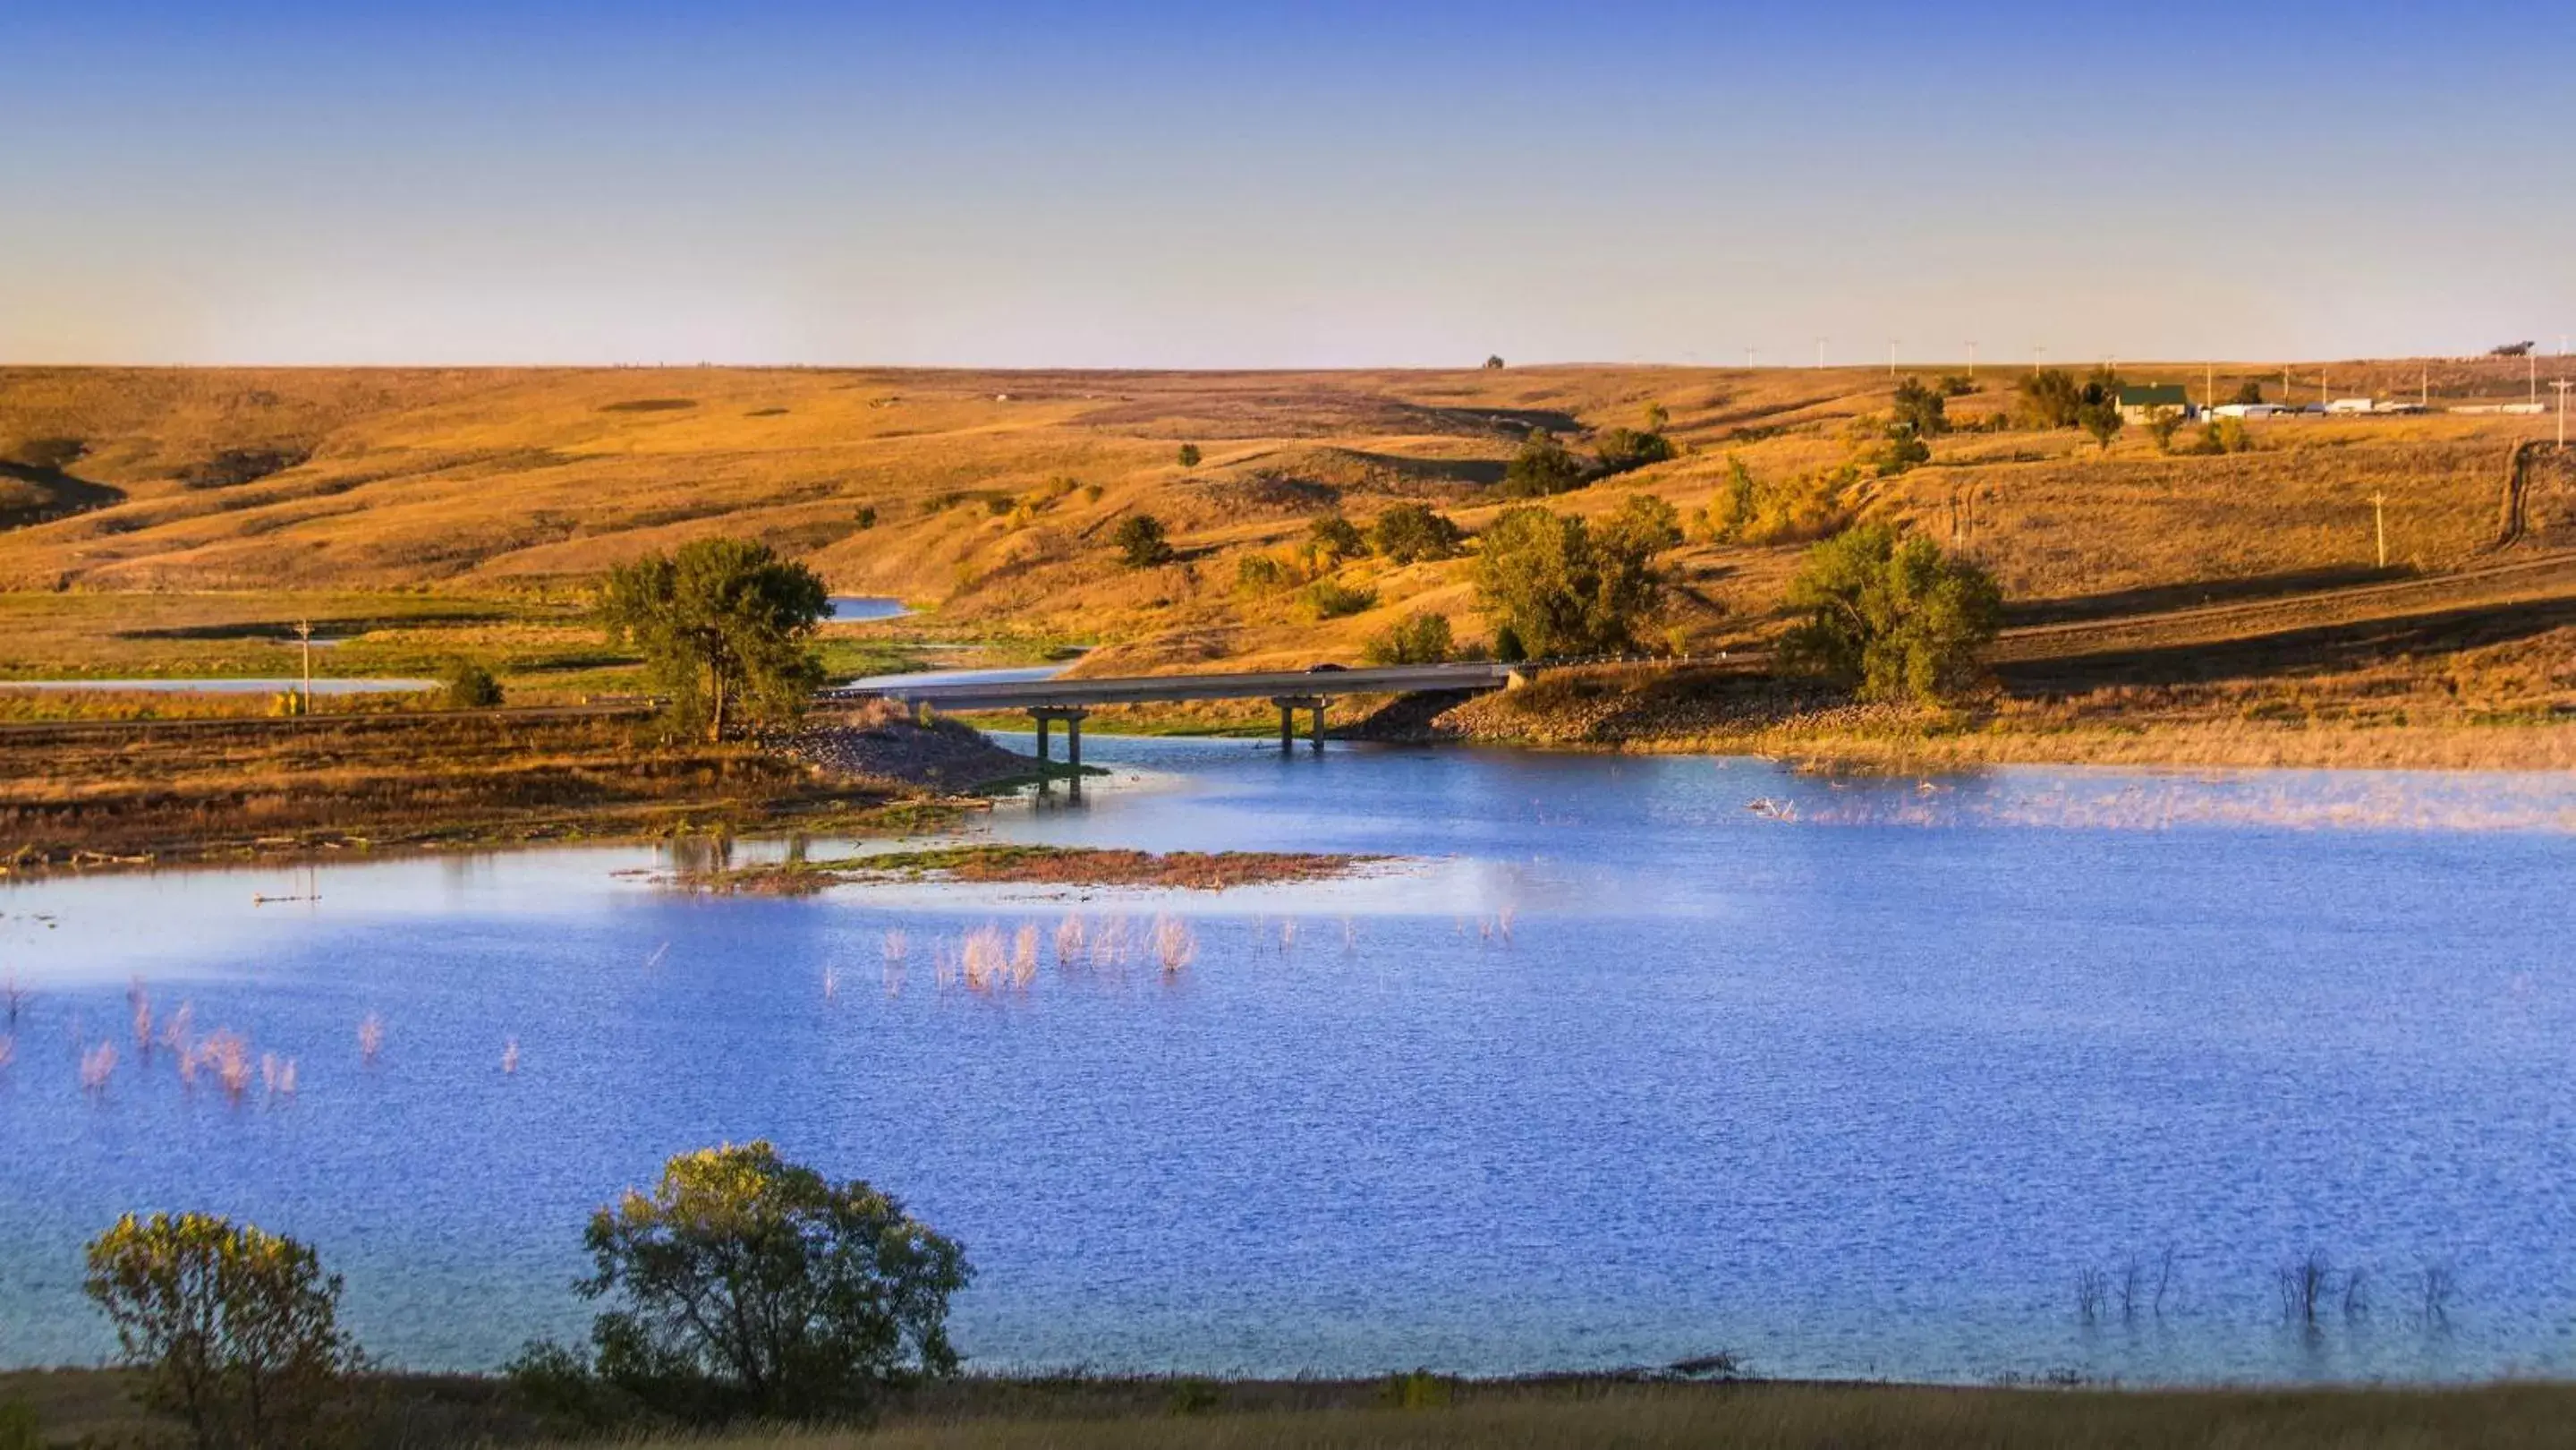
{"points": [[1289, 705], [1072, 716]]}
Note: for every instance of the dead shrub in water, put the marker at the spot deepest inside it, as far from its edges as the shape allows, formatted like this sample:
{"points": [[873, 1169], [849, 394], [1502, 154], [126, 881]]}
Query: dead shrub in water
{"points": [[2303, 1286], [1175, 946]]}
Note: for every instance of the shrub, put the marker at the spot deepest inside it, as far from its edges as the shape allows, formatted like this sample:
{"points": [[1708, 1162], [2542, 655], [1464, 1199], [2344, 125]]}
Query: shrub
{"points": [[1420, 638], [747, 1285], [1189, 455], [867, 516], [236, 1331], [466, 685], [2224, 435], [1494, 361], [1259, 573], [1542, 467], [1331, 599], [1811, 506], [1333, 538], [1411, 531], [1622, 450], [1141, 542], [2162, 424], [1893, 618], [1727, 515], [2248, 392], [1920, 410], [1555, 586]]}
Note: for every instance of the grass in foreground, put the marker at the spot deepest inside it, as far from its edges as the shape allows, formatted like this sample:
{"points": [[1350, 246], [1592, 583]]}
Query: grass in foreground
{"points": [[1415, 1412], [1779, 1417]]}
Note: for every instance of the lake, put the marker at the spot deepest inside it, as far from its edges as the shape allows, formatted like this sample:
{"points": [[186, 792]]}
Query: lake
{"points": [[1632, 1059]]}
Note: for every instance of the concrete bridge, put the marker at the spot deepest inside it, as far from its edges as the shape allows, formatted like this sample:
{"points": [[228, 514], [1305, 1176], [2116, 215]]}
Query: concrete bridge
{"points": [[1069, 700]]}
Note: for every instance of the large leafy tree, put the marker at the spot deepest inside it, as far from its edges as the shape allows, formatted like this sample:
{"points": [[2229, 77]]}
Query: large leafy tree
{"points": [[1557, 586], [236, 1331], [723, 625], [1891, 615], [748, 1285]]}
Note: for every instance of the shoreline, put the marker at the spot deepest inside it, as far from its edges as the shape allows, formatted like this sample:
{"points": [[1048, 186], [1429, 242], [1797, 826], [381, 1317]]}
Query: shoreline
{"points": [[1625, 1408]]}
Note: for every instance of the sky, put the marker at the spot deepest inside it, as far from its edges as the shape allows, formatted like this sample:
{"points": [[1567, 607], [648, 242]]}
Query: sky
{"points": [[1146, 184]]}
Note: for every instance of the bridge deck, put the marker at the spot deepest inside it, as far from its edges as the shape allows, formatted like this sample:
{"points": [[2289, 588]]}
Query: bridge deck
{"points": [[1159, 689]]}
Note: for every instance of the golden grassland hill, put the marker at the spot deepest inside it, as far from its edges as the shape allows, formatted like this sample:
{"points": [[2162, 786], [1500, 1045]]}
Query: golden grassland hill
{"points": [[993, 495]]}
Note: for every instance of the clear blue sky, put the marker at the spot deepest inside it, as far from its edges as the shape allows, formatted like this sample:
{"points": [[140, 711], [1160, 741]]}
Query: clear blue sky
{"points": [[1167, 184]]}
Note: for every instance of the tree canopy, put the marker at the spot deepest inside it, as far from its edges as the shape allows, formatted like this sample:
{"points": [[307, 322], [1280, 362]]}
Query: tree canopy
{"points": [[722, 624], [1141, 541], [1891, 615], [1553, 585], [1542, 467], [1414, 531], [748, 1285], [1624, 449], [236, 1331], [1921, 410]]}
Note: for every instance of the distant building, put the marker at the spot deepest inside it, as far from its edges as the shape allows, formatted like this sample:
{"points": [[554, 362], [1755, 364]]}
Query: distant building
{"points": [[2249, 410], [2349, 405], [2141, 405]]}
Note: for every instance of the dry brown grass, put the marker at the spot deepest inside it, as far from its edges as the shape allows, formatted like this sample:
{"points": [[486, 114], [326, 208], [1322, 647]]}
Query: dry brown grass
{"points": [[490, 483], [1037, 866], [366, 782]]}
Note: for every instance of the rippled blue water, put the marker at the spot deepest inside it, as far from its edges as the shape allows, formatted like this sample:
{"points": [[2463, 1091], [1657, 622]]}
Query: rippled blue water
{"points": [[1616, 1071]]}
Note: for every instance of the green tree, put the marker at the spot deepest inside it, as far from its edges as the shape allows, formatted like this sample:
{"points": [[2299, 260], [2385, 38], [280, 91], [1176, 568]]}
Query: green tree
{"points": [[236, 1331], [1729, 513], [465, 685], [1494, 362], [1921, 410], [747, 1285], [2102, 420], [1543, 466], [2248, 392], [1553, 586], [1413, 531], [2162, 424], [1141, 542], [1420, 638], [1334, 538], [1891, 616], [722, 624], [1643, 523], [2048, 398], [1658, 417], [1189, 455], [1622, 450]]}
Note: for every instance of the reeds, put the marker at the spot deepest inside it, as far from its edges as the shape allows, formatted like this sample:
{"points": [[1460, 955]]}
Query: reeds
{"points": [[8, 1051], [831, 985], [97, 1068], [897, 948], [179, 1031], [1175, 945], [14, 1001], [277, 1075], [371, 1038], [1024, 956], [138, 1005], [228, 1053], [510, 1057], [1069, 934]]}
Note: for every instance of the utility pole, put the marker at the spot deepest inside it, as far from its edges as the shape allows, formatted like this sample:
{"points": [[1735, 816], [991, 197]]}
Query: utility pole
{"points": [[1891, 357], [2424, 393], [2209, 390], [304, 632], [1972, 359], [2532, 362], [2038, 358], [1748, 359], [2562, 385], [1820, 354], [2379, 519]]}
